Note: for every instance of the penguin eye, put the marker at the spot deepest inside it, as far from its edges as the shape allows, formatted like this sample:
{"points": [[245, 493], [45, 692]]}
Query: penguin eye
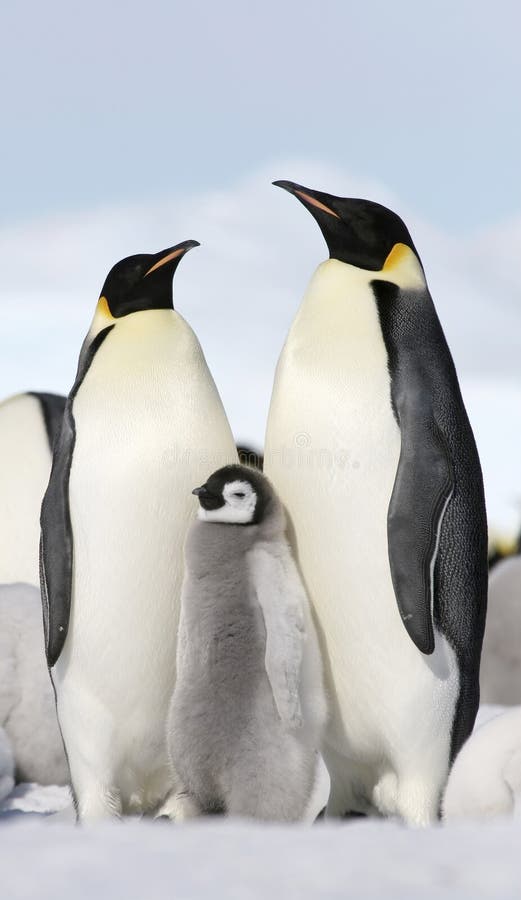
{"points": [[239, 494]]}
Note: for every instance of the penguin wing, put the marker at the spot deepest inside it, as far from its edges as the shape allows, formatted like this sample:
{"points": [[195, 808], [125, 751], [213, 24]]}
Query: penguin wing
{"points": [[422, 489], [56, 544], [280, 594], [56, 540], [52, 406]]}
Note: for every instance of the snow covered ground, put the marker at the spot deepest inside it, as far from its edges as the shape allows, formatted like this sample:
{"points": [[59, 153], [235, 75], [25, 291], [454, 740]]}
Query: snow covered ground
{"points": [[236, 861], [46, 856]]}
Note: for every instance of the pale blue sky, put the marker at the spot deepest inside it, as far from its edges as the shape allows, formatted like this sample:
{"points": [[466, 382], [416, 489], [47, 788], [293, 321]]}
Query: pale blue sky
{"points": [[127, 127], [110, 102]]}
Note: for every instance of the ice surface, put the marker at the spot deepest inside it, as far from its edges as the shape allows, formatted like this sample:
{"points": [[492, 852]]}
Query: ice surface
{"points": [[44, 856], [236, 861]]}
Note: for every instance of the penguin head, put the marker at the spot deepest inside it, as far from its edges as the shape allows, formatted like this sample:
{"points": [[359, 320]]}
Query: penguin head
{"points": [[234, 495], [358, 232], [143, 281]]}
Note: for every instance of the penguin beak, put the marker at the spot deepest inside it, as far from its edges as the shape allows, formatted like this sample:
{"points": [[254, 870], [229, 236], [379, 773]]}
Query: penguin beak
{"points": [[207, 499], [171, 255], [313, 200]]}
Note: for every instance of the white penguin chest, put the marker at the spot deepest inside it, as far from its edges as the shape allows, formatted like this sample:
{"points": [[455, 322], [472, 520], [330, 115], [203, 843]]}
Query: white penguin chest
{"points": [[146, 408], [333, 443]]}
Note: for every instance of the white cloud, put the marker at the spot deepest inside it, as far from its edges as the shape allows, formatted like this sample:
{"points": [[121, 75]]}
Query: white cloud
{"points": [[241, 289]]}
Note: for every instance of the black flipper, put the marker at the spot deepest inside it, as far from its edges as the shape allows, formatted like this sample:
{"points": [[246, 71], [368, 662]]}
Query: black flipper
{"points": [[434, 425], [56, 541], [423, 485], [438, 491], [53, 406]]}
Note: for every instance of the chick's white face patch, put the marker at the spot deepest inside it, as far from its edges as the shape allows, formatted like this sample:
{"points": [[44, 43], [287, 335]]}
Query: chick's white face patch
{"points": [[240, 501]]}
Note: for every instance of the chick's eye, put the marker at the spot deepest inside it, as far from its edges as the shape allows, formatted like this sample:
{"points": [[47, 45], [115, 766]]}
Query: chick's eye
{"points": [[238, 494]]}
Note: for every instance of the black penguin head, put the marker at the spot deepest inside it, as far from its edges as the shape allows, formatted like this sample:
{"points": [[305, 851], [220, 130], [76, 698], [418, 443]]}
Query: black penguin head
{"points": [[358, 232], [143, 281], [234, 495]]}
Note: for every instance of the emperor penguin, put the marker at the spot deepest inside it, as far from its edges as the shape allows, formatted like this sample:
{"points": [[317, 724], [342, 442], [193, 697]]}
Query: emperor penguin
{"points": [[248, 708], [28, 426], [370, 449], [140, 423]]}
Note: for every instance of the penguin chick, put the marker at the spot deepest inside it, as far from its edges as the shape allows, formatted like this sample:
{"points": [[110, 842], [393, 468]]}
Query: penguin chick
{"points": [[248, 709], [485, 780]]}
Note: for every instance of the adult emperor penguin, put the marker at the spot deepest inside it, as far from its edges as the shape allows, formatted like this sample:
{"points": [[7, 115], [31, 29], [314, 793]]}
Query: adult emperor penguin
{"points": [[28, 426], [248, 709], [370, 449], [140, 424]]}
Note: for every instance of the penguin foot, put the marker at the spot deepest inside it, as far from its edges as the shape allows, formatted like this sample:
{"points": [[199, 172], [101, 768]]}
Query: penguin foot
{"points": [[179, 806], [413, 799], [385, 794], [103, 803]]}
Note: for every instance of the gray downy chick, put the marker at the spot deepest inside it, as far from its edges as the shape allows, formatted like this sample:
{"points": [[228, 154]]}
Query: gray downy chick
{"points": [[248, 709]]}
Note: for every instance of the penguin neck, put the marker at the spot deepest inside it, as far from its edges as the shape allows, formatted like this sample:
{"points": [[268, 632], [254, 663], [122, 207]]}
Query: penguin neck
{"points": [[338, 310], [147, 338], [141, 325]]}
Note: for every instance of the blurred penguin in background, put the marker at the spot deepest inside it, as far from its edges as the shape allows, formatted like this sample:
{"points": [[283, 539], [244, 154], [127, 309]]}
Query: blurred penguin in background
{"points": [[485, 781], [248, 708], [6, 766], [502, 546], [28, 426], [500, 674], [27, 706], [248, 456]]}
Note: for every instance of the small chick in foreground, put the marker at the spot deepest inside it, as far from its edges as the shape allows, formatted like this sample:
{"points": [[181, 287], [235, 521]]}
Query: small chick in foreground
{"points": [[248, 709]]}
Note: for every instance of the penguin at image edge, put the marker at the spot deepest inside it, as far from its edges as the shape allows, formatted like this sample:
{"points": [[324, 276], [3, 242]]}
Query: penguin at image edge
{"points": [[390, 532], [29, 424]]}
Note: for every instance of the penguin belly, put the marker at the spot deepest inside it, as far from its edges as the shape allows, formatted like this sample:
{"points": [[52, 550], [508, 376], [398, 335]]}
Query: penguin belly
{"points": [[332, 452], [230, 750], [146, 417]]}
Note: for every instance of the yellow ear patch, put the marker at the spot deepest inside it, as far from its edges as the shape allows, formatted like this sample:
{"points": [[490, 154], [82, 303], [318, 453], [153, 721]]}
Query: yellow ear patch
{"points": [[403, 268], [102, 309], [313, 202], [397, 256], [167, 258]]}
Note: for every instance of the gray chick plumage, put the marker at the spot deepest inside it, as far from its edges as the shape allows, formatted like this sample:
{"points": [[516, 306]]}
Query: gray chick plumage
{"points": [[248, 708]]}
